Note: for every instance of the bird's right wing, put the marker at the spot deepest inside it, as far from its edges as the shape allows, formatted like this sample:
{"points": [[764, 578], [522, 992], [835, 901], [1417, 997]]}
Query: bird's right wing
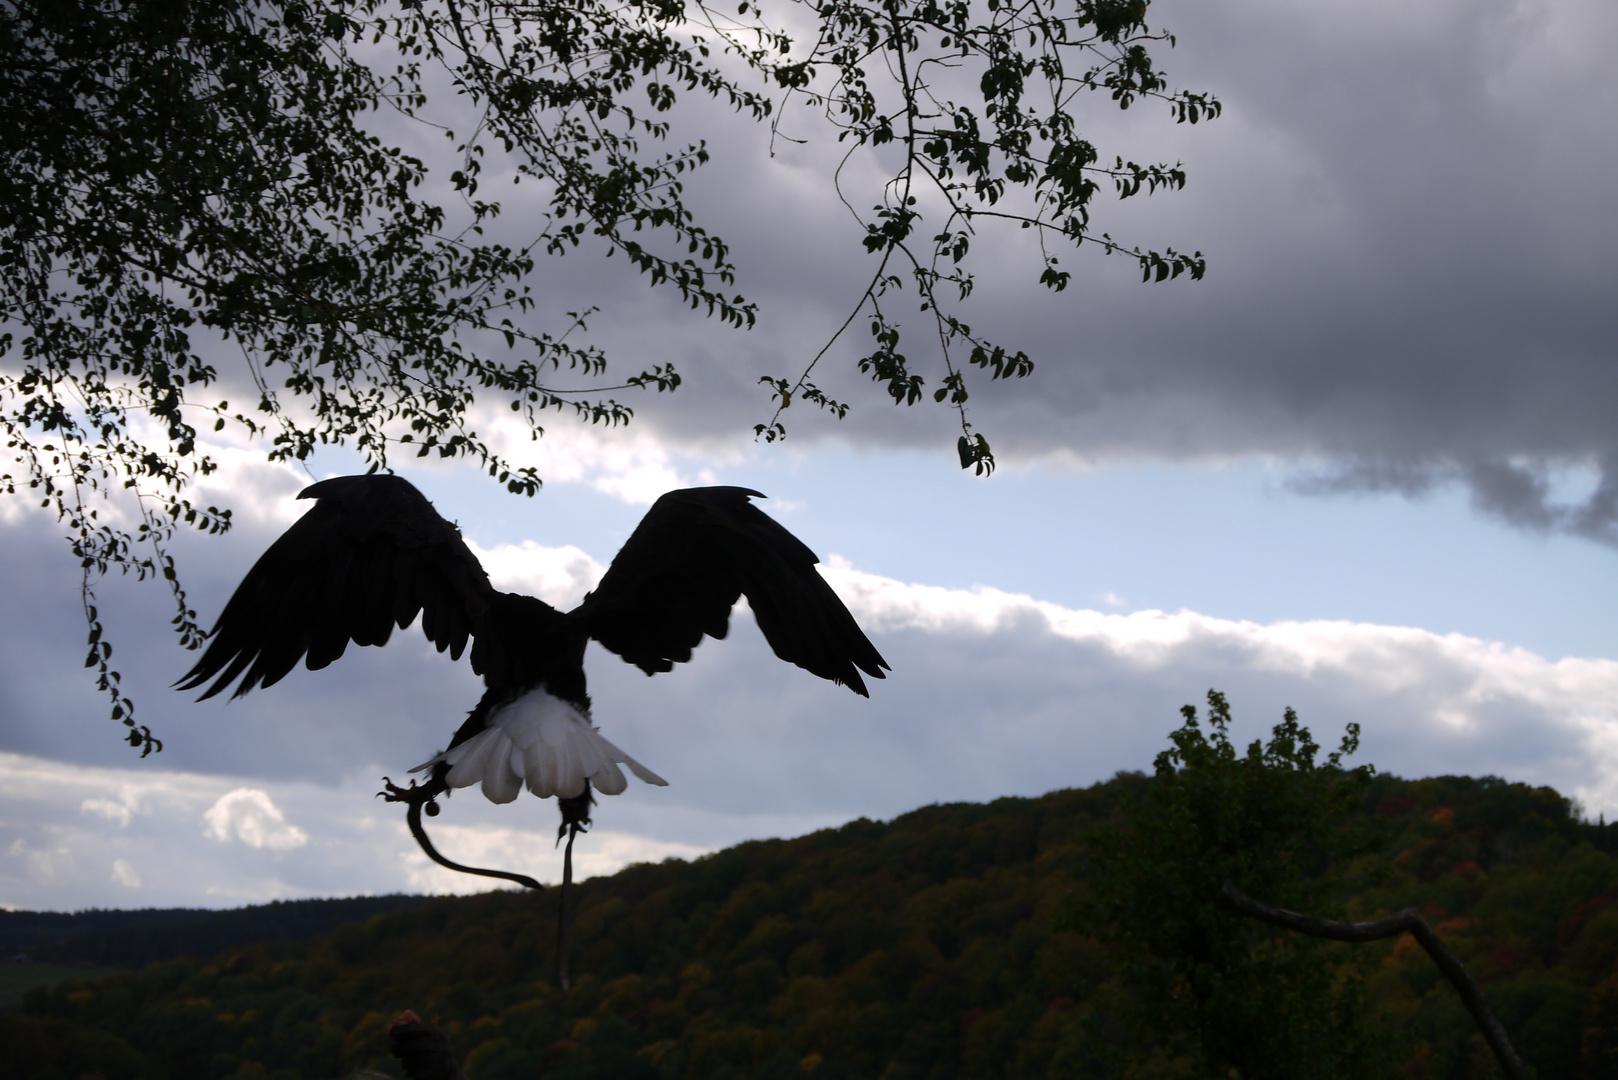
{"points": [[694, 554], [371, 553]]}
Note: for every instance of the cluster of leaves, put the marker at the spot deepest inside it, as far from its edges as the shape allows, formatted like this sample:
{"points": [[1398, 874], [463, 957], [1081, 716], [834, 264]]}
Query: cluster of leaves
{"points": [[941, 945], [174, 169], [180, 167], [1280, 825], [202, 197]]}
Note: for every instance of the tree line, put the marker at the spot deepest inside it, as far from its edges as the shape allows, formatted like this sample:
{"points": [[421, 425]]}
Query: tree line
{"points": [[133, 939], [1024, 938]]}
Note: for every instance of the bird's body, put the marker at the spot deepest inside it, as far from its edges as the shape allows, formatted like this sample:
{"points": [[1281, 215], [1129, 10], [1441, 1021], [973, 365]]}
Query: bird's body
{"points": [[373, 554]]}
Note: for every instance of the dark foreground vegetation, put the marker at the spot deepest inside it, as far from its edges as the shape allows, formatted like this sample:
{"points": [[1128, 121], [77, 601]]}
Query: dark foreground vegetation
{"points": [[942, 944]]}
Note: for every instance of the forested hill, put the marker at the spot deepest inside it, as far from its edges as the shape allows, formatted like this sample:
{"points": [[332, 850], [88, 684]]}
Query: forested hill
{"points": [[927, 947], [133, 939]]}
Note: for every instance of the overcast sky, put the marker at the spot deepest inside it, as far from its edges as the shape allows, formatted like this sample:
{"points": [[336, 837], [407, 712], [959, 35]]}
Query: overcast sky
{"points": [[1368, 469]]}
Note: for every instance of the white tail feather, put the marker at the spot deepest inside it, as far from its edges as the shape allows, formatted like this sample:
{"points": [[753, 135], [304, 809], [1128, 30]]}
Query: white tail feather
{"points": [[545, 742], [500, 783], [646, 775]]}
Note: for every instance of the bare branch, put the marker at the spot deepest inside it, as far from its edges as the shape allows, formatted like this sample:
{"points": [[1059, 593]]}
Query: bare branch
{"points": [[1409, 921]]}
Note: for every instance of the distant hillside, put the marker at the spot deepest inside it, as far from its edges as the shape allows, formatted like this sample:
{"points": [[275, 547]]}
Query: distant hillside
{"points": [[920, 949], [133, 939]]}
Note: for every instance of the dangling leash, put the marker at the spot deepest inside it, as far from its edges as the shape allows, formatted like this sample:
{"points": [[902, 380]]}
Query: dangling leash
{"points": [[427, 795], [575, 819]]}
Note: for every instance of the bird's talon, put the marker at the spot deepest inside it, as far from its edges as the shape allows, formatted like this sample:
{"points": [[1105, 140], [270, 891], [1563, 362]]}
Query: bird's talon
{"points": [[411, 795]]}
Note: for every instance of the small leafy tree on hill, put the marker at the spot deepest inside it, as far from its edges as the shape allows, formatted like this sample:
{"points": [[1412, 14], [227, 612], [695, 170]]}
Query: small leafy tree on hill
{"points": [[1238, 997]]}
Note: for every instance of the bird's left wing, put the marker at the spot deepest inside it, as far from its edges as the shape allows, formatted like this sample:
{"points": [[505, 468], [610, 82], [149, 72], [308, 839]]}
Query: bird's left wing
{"points": [[685, 565], [370, 554]]}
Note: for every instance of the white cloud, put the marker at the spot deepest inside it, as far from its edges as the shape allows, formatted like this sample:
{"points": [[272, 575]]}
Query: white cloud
{"points": [[249, 815], [992, 693], [348, 843], [530, 852], [1404, 685], [112, 811], [51, 865], [1391, 657], [632, 465], [560, 576], [258, 891]]}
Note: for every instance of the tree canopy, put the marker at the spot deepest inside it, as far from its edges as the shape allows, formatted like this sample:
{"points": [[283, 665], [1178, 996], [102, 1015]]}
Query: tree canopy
{"points": [[209, 197]]}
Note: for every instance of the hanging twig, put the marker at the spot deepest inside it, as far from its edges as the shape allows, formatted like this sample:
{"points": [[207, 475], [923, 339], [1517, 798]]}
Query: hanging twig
{"points": [[1408, 921]]}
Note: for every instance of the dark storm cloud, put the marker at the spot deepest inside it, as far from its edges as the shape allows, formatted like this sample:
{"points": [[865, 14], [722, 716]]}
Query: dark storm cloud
{"points": [[1413, 253]]}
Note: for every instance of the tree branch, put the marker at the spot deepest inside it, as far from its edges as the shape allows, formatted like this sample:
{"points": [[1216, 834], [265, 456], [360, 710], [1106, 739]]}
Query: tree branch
{"points": [[1408, 921]]}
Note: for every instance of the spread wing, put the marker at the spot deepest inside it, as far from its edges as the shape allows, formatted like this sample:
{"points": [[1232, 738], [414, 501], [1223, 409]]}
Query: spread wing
{"points": [[372, 553], [684, 567]]}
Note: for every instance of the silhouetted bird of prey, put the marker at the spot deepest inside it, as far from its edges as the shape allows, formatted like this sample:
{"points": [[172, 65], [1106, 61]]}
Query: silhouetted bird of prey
{"points": [[373, 554]]}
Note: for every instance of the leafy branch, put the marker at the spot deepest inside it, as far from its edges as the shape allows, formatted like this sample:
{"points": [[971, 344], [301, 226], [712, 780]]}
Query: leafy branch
{"points": [[979, 99], [183, 186], [174, 172]]}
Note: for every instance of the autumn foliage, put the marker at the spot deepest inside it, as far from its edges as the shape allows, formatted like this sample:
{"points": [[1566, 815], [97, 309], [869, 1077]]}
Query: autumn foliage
{"points": [[925, 947]]}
